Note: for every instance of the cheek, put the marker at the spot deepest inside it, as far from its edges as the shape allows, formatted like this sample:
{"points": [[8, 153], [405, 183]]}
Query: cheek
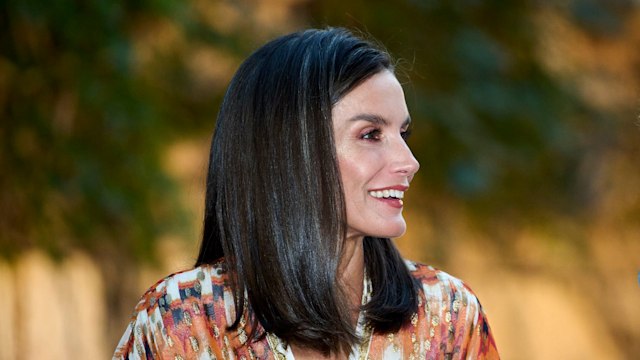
{"points": [[357, 163], [352, 172]]}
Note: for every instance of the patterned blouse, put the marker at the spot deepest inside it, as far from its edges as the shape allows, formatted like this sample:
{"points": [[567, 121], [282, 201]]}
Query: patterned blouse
{"points": [[185, 316]]}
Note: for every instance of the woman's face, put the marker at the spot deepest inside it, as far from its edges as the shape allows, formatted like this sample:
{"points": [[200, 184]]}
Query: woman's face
{"points": [[376, 165]]}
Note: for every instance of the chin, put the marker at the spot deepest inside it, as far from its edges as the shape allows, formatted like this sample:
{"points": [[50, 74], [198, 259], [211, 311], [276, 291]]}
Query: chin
{"points": [[381, 229], [395, 234], [390, 232]]}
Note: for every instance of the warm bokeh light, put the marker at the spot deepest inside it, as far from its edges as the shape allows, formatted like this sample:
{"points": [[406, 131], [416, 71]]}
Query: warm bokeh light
{"points": [[525, 122]]}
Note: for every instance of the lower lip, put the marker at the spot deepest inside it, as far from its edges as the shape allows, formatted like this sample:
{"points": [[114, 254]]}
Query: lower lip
{"points": [[396, 203]]}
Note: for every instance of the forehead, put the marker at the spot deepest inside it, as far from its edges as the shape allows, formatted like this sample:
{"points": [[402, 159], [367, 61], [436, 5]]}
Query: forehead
{"points": [[380, 95]]}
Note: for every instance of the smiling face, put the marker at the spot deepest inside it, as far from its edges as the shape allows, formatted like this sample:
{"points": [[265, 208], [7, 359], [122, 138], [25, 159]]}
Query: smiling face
{"points": [[370, 124]]}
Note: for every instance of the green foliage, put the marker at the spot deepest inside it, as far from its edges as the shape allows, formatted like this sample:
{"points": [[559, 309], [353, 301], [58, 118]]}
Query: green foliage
{"points": [[81, 133], [86, 120], [84, 123]]}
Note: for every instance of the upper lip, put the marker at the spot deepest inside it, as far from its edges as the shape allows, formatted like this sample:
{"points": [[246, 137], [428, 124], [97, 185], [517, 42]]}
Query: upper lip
{"points": [[394, 187]]}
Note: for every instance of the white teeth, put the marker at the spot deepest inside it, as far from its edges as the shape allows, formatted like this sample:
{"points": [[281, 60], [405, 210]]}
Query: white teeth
{"points": [[388, 193]]}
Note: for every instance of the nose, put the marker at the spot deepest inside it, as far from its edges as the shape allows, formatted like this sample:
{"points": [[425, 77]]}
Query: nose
{"points": [[405, 163]]}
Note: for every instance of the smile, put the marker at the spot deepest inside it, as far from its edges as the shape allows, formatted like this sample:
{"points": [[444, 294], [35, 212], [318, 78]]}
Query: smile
{"points": [[387, 194]]}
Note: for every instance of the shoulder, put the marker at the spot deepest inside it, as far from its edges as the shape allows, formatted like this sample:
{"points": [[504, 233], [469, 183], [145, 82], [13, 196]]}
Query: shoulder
{"points": [[436, 283], [444, 295], [174, 289], [448, 306], [172, 315]]}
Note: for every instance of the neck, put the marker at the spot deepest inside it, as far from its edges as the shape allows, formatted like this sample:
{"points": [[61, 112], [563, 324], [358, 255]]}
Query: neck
{"points": [[351, 270]]}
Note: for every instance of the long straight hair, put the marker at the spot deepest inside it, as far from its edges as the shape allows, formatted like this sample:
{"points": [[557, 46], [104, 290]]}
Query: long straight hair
{"points": [[275, 208]]}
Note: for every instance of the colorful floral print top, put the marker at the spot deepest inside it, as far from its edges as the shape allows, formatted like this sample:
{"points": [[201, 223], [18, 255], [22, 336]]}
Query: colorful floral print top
{"points": [[185, 316]]}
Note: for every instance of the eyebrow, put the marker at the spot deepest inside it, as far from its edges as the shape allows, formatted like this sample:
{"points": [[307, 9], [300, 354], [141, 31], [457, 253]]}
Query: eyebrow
{"points": [[377, 119]]}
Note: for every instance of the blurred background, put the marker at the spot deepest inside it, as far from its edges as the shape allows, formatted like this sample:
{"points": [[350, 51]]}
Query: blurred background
{"points": [[525, 124]]}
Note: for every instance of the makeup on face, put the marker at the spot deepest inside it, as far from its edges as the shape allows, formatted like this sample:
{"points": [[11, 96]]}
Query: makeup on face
{"points": [[371, 124]]}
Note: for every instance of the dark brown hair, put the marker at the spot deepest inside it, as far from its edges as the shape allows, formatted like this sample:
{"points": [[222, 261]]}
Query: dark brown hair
{"points": [[275, 207]]}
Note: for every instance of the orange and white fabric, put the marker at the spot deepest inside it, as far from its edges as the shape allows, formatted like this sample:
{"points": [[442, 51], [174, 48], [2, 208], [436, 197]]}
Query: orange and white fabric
{"points": [[185, 316]]}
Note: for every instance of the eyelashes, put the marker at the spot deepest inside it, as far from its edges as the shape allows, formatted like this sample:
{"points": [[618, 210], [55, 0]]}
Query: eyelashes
{"points": [[405, 134], [376, 134], [373, 134]]}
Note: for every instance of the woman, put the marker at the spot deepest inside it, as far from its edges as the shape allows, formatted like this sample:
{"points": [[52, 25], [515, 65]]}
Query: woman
{"points": [[307, 171]]}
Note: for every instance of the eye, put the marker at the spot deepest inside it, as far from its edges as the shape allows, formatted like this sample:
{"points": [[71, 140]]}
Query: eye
{"points": [[372, 135], [405, 134]]}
